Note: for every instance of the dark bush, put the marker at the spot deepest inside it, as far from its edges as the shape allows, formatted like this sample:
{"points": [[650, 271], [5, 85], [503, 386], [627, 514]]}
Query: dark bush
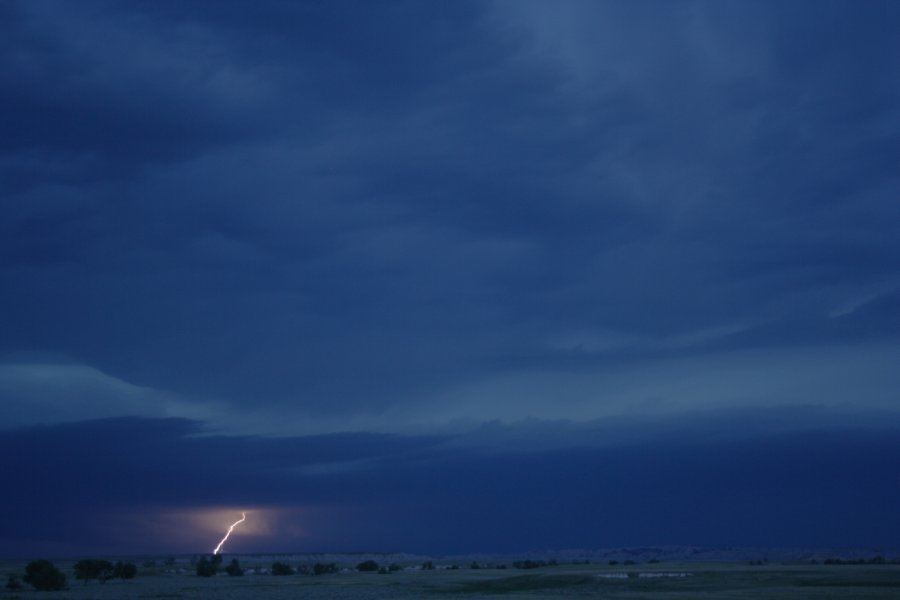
{"points": [[529, 564], [368, 565], [428, 566], [876, 560], [207, 567], [324, 568], [124, 570], [280, 568], [395, 567], [13, 583], [92, 568], [43, 576], [234, 568]]}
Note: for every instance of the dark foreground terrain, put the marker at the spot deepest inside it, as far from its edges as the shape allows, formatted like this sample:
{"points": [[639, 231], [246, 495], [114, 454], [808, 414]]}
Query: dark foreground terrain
{"points": [[672, 581]]}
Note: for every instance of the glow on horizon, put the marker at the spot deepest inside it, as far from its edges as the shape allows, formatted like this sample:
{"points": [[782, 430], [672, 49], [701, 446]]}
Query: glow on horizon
{"points": [[230, 529]]}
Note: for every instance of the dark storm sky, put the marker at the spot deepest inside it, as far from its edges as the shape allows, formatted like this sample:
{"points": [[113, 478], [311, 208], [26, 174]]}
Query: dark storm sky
{"points": [[448, 276]]}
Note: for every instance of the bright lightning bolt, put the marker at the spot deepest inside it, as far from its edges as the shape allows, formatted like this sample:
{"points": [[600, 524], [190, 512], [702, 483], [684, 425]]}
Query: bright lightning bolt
{"points": [[230, 529]]}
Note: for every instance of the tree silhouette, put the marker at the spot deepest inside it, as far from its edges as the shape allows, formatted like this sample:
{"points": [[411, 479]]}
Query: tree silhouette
{"points": [[44, 576], [234, 569], [207, 567], [368, 565], [280, 568], [92, 568]]}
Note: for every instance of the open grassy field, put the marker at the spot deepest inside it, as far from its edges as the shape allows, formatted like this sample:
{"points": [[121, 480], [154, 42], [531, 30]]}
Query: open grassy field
{"points": [[671, 581]]}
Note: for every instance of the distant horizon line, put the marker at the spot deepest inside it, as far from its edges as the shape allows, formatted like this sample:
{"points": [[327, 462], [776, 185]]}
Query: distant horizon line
{"points": [[671, 552]]}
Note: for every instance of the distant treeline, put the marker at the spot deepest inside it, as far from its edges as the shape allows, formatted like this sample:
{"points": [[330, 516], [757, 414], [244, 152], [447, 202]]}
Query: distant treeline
{"points": [[876, 560], [43, 575], [533, 564]]}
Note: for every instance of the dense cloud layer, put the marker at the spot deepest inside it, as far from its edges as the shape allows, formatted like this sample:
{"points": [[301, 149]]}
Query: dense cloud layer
{"points": [[746, 478], [310, 218]]}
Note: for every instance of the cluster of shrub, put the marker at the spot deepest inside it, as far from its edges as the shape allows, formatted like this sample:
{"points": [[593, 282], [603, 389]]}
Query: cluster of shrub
{"points": [[280, 568], [367, 566], [103, 570], [875, 560], [209, 566], [525, 564], [43, 575], [370, 566], [321, 568], [533, 564]]}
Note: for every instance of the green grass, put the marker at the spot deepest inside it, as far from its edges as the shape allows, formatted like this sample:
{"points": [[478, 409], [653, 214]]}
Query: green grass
{"points": [[523, 583], [707, 581]]}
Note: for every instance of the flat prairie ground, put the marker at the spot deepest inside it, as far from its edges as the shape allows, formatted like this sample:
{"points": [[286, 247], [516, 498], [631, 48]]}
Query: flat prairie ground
{"points": [[670, 581]]}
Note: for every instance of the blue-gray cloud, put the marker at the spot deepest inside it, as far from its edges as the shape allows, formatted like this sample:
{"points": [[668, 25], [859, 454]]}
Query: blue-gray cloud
{"points": [[420, 198], [627, 482], [303, 220], [343, 217]]}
